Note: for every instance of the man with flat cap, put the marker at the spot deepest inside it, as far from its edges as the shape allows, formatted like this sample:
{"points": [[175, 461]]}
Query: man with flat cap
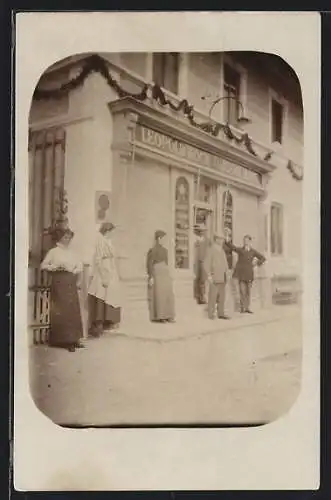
{"points": [[216, 267], [201, 247]]}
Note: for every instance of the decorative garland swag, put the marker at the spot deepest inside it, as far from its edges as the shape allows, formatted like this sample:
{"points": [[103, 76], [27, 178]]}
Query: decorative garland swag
{"points": [[97, 64]]}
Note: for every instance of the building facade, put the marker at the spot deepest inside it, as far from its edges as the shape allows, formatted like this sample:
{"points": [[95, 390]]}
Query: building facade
{"points": [[136, 138]]}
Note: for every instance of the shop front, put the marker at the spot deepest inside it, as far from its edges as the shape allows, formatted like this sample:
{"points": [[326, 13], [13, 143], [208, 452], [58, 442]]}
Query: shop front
{"points": [[168, 175]]}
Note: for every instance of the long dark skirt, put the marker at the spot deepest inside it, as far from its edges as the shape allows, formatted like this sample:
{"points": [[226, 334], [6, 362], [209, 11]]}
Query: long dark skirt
{"points": [[101, 315], [160, 295], [66, 322]]}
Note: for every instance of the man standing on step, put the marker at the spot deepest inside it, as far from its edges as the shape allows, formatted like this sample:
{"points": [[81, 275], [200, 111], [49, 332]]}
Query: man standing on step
{"points": [[231, 285], [216, 266], [248, 257], [201, 247]]}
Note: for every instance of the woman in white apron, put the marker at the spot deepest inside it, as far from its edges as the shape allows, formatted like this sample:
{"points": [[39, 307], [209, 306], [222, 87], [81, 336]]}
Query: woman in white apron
{"points": [[104, 296]]}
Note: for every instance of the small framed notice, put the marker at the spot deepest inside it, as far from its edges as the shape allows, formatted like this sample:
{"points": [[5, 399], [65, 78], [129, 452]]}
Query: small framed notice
{"points": [[102, 206]]}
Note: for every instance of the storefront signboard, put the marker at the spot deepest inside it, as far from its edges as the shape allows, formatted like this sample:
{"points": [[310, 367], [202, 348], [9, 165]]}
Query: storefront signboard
{"points": [[185, 151]]}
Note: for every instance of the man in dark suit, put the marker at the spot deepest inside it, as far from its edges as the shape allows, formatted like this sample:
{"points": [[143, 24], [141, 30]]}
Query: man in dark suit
{"points": [[227, 249], [247, 258], [201, 247], [216, 266]]}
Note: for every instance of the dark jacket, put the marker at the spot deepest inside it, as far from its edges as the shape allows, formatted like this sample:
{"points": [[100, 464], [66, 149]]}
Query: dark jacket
{"points": [[228, 253], [155, 255], [201, 249], [244, 267]]}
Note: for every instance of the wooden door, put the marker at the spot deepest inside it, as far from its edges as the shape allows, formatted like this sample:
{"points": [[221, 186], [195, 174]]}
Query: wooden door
{"points": [[204, 216], [46, 182]]}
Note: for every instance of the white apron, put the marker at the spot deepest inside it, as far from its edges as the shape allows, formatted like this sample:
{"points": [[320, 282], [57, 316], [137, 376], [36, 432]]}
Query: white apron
{"points": [[104, 269]]}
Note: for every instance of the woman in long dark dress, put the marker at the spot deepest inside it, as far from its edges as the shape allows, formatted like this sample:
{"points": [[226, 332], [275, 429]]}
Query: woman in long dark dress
{"points": [[160, 290], [66, 327]]}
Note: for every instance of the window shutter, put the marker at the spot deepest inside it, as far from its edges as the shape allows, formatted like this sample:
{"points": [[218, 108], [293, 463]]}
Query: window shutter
{"points": [[46, 180], [273, 229], [280, 230], [171, 72], [276, 231], [266, 222], [227, 211], [166, 70], [232, 81], [158, 69], [277, 121], [182, 223]]}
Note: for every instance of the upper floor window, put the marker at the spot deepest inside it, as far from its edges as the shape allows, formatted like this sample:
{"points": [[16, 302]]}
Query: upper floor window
{"points": [[166, 70], [276, 229], [232, 82], [277, 121]]}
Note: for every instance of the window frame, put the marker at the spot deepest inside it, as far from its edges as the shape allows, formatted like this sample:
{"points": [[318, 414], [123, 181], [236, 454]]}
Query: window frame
{"points": [[162, 84], [229, 207], [182, 179], [51, 140], [274, 96], [276, 252], [266, 232], [227, 60]]}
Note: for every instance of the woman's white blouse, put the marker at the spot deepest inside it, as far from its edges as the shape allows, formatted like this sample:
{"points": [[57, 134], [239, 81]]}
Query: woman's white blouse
{"points": [[61, 257]]}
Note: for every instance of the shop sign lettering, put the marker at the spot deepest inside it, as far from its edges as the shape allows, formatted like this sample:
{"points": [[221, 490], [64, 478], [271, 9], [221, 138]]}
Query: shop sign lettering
{"points": [[187, 152]]}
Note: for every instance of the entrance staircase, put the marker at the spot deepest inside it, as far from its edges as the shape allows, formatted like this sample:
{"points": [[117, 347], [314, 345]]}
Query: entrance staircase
{"points": [[135, 303]]}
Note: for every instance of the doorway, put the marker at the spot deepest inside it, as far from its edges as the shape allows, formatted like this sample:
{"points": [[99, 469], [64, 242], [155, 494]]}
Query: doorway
{"points": [[205, 216], [205, 204]]}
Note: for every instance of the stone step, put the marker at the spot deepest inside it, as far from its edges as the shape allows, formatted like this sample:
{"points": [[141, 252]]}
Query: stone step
{"points": [[138, 303], [140, 308]]}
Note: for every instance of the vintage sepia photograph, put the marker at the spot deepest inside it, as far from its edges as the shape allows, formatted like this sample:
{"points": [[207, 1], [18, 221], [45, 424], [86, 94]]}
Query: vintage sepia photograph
{"points": [[165, 239]]}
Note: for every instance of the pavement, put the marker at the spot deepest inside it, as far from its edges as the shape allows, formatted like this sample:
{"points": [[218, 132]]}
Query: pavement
{"points": [[197, 371], [196, 323]]}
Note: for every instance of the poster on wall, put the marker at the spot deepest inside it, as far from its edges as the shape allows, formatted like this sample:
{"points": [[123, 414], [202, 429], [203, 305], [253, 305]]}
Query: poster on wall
{"points": [[102, 206]]}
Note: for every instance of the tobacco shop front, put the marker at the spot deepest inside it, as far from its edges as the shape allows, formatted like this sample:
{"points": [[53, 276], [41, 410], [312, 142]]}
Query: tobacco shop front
{"points": [[168, 175]]}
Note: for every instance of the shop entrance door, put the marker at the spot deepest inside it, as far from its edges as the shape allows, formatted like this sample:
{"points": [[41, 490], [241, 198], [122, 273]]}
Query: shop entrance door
{"points": [[204, 216]]}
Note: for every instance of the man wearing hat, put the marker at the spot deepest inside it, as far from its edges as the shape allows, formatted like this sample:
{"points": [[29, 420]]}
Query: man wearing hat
{"points": [[216, 267], [201, 246]]}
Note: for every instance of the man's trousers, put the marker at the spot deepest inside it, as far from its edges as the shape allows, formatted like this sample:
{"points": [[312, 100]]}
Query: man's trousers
{"points": [[245, 294], [216, 296]]}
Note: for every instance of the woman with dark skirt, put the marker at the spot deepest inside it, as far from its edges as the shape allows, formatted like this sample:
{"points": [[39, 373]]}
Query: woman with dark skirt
{"points": [[104, 293], [66, 327], [160, 291]]}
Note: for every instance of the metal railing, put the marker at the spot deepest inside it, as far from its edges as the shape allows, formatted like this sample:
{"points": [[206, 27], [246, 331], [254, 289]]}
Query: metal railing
{"points": [[40, 307]]}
